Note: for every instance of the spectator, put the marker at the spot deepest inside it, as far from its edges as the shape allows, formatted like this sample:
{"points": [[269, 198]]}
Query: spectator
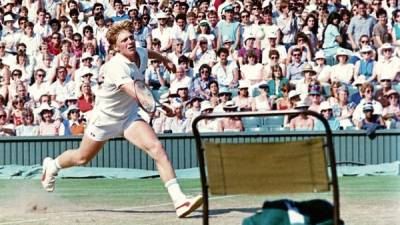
{"points": [[225, 71], [231, 123], [343, 110], [391, 113], [362, 24], [228, 27], [62, 87], [75, 123], [28, 127], [262, 102], [314, 94], [6, 128], [49, 126], [283, 103], [323, 71], [202, 55], [381, 94], [120, 14], [76, 23], [252, 71], [325, 110], [25, 66], [204, 30], [207, 125], [142, 34], [370, 120], [278, 80], [180, 79], [41, 28], [331, 38], [302, 121], [387, 65], [365, 66], [272, 47], [396, 26], [343, 71], [177, 51], [287, 23], [10, 35], [269, 29], [224, 96], [243, 101], [179, 123], [367, 91], [182, 32], [85, 101], [163, 32], [89, 38], [156, 74], [201, 84], [31, 40], [17, 110], [249, 41], [295, 69], [77, 45], [309, 79], [302, 43], [381, 27], [214, 91]]}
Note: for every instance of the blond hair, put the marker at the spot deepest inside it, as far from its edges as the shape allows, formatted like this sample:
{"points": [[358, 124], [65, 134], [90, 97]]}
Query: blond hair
{"points": [[112, 33]]}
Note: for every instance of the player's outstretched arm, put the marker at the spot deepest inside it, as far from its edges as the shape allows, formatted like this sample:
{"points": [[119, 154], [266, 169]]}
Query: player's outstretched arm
{"points": [[129, 89], [167, 62]]}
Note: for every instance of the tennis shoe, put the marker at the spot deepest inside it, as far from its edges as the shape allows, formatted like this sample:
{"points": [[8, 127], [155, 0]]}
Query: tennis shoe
{"points": [[49, 173], [188, 205]]}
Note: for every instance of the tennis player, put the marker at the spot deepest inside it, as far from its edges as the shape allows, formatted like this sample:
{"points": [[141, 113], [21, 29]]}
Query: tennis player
{"points": [[116, 113]]}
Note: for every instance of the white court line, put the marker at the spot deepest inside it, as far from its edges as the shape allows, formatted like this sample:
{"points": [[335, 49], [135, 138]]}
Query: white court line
{"points": [[120, 209]]}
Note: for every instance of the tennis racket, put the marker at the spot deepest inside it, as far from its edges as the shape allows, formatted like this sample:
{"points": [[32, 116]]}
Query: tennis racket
{"points": [[146, 99]]}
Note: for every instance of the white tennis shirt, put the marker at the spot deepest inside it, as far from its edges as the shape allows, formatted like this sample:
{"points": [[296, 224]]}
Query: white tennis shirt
{"points": [[112, 103]]}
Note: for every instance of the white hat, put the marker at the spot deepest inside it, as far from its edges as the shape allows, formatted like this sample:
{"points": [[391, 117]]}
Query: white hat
{"points": [[182, 85], [6, 2], [205, 105], [248, 36], [320, 55], [162, 15], [204, 22], [293, 93], [324, 106], [360, 80], [386, 46], [86, 70], [70, 108], [366, 48], [342, 51], [243, 84], [8, 17], [86, 55], [45, 106], [71, 97], [302, 104], [386, 76], [230, 105], [176, 105], [164, 97]]}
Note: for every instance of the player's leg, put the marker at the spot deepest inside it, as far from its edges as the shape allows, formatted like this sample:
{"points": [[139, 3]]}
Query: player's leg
{"points": [[74, 157], [142, 135]]}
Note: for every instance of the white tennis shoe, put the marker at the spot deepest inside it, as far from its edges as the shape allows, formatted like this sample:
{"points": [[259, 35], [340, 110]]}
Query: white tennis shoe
{"points": [[49, 173], [188, 205]]}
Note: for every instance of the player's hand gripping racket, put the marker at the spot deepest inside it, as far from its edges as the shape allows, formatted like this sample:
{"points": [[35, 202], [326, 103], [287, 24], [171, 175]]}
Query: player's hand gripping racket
{"points": [[147, 101]]}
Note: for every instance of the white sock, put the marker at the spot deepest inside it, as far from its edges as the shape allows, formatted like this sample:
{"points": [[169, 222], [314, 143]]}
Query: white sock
{"points": [[174, 190], [57, 164]]}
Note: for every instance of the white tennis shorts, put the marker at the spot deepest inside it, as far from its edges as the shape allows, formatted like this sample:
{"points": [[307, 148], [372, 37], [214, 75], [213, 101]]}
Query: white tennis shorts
{"points": [[105, 132]]}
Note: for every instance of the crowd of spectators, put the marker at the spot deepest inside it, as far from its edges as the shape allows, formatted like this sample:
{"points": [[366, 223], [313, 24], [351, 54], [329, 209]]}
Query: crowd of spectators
{"points": [[337, 57]]}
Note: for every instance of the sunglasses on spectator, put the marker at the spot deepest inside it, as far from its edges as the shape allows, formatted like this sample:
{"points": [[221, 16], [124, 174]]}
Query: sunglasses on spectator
{"points": [[245, 16], [40, 75], [296, 55], [2, 46], [274, 57], [386, 80], [204, 71], [3, 115], [16, 74], [153, 3], [364, 41], [387, 50], [77, 40], [224, 94], [326, 110]]}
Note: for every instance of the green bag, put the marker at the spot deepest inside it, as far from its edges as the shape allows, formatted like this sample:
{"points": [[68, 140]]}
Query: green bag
{"points": [[288, 212]]}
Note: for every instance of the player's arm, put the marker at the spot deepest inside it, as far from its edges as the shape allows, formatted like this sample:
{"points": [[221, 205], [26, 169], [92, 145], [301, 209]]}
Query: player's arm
{"points": [[167, 62], [129, 89]]}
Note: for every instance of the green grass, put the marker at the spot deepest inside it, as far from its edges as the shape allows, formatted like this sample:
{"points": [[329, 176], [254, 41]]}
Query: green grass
{"points": [[364, 201]]}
